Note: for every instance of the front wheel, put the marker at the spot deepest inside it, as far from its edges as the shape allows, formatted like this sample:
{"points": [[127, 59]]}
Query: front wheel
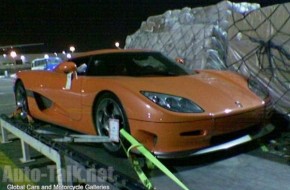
{"points": [[107, 107]]}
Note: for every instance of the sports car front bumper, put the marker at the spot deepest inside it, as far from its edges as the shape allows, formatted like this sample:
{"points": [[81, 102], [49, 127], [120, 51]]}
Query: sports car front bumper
{"points": [[224, 146]]}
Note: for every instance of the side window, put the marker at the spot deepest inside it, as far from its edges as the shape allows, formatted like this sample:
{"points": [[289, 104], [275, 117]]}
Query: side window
{"points": [[82, 64], [98, 66], [108, 65]]}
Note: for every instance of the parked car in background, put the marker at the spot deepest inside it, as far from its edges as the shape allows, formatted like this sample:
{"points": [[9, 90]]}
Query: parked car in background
{"points": [[45, 63]]}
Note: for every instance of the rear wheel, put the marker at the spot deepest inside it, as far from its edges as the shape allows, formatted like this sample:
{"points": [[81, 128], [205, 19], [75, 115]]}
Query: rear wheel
{"points": [[21, 98], [107, 107]]}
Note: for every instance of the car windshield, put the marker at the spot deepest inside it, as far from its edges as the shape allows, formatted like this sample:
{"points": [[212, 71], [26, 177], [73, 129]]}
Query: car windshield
{"points": [[135, 64]]}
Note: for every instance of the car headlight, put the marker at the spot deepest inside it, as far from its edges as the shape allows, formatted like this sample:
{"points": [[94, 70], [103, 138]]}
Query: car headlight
{"points": [[258, 89], [173, 103]]}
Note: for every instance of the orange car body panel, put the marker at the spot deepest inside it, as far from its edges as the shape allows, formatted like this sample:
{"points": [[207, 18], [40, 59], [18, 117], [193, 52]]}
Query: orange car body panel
{"points": [[160, 130]]}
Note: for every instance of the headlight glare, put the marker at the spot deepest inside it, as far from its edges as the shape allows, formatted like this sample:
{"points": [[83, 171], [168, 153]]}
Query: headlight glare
{"points": [[173, 103]]}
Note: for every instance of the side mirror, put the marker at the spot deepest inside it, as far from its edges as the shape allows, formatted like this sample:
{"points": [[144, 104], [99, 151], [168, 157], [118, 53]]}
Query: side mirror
{"points": [[66, 67], [179, 60]]}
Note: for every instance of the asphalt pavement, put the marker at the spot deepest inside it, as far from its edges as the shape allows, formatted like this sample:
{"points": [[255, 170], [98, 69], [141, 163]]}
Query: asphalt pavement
{"points": [[7, 101]]}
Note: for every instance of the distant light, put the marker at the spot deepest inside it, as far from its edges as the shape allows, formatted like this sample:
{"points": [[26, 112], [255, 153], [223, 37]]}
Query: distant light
{"points": [[13, 54], [68, 55], [72, 48], [22, 57], [55, 53], [46, 56], [4, 55], [63, 52], [117, 44]]}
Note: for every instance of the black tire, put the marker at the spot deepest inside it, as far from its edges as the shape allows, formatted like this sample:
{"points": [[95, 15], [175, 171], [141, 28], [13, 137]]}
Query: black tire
{"points": [[21, 97], [108, 106]]}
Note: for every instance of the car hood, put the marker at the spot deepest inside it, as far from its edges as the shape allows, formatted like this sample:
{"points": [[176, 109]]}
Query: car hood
{"points": [[212, 91]]}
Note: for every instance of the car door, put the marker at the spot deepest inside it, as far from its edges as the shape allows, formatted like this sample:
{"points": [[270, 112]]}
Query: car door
{"points": [[64, 89]]}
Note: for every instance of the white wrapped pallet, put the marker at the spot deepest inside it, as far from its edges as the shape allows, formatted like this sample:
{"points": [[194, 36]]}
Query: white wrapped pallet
{"points": [[259, 47], [242, 37]]}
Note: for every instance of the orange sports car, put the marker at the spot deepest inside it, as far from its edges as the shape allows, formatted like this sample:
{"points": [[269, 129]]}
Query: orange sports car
{"points": [[171, 110]]}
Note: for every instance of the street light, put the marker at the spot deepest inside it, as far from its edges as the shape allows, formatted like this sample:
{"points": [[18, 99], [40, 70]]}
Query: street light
{"points": [[72, 49], [117, 45], [22, 57], [13, 54]]}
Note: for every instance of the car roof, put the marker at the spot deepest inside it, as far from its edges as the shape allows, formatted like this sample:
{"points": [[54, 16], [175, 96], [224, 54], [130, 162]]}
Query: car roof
{"points": [[107, 51]]}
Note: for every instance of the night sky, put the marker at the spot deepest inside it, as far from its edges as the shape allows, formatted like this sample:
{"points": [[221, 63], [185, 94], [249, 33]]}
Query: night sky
{"points": [[87, 25]]}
